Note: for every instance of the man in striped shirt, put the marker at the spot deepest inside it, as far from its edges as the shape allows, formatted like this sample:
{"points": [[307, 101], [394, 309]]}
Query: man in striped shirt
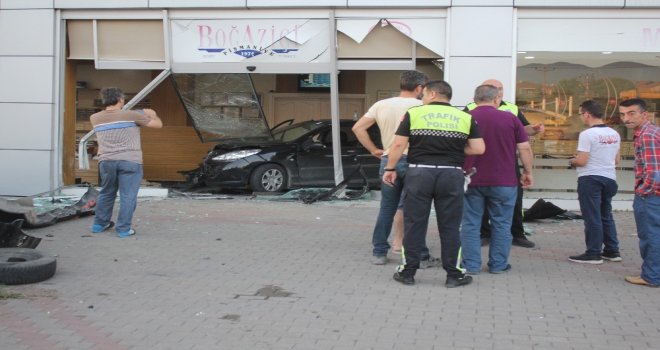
{"points": [[120, 159], [646, 204]]}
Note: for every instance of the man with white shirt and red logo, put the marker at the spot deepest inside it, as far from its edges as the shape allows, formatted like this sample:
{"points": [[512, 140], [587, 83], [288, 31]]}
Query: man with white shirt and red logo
{"points": [[597, 155]]}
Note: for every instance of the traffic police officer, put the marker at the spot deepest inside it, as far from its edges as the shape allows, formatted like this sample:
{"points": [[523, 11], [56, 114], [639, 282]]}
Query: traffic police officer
{"points": [[438, 137]]}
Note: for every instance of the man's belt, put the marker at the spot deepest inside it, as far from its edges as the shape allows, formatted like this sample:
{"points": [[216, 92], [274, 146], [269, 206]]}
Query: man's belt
{"points": [[434, 166]]}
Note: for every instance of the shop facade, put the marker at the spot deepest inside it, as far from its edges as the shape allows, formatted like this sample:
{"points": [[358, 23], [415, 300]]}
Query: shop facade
{"points": [[173, 57]]}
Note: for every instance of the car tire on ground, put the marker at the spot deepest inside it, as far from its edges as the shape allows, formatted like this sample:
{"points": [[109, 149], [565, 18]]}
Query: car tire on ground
{"points": [[22, 265], [268, 178]]}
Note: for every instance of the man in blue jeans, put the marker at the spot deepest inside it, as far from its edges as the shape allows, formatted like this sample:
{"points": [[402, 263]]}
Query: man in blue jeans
{"points": [[517, 227], [646, 204], [597, 155], [495, 185], [120, 159], [387, 115]]}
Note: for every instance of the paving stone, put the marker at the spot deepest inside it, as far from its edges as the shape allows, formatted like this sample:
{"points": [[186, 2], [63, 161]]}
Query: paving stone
{"points": [[260, 274]]}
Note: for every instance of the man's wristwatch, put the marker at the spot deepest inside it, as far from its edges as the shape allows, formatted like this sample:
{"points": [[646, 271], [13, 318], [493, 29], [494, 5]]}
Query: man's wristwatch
{"points": [[389, 169]]}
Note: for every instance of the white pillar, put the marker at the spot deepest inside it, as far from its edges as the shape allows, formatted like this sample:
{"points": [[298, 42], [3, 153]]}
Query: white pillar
{"points": [[29, 122], [473, 57]]}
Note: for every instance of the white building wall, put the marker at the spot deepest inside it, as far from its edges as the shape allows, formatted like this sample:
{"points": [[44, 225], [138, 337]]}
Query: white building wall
{"points": [[26, 4], [16, 118], [101, 4], [571, 3], [27, 108], [491, 3], [480, 47]]}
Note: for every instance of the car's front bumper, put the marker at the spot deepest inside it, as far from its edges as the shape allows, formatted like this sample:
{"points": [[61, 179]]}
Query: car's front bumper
{"points": [[235, 174]]}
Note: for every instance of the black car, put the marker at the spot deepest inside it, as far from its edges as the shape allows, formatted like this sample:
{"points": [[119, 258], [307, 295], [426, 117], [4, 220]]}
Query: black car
{"points": [[300, 155]]}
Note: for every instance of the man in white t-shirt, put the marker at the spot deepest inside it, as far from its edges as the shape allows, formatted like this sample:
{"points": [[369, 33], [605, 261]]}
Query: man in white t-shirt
{"points": [[597, 155], [387, 115]]}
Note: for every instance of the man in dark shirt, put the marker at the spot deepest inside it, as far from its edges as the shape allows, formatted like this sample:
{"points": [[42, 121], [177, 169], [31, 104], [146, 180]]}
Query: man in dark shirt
{"points": [[517, 229], [496, 182], [438, 137]]}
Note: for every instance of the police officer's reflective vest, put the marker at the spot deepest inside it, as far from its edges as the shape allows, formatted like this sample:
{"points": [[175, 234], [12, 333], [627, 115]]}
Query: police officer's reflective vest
{"points": [[439, 118], [507, 107]]}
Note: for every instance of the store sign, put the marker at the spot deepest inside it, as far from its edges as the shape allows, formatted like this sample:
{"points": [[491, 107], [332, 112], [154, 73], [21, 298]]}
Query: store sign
{"points": [[606, 34], [259, 40], [651, 38], [246, 41]]}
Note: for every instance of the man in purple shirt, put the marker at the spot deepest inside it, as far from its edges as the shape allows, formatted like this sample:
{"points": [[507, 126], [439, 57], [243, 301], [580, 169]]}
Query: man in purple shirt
{"points": [[495, 184]]}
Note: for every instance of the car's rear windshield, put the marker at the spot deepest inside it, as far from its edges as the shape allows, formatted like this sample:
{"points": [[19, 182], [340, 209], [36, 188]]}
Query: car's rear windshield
{"points": [[293, 132]]}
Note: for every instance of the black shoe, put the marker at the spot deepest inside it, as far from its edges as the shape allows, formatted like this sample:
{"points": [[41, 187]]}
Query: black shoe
{"points": [[453, 282], [611, 256], [407, 280], [485, 241], [586, 259], [522, 241]]}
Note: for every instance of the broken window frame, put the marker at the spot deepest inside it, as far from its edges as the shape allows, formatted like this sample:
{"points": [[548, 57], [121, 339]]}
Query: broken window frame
{"points": [[213, 108]]}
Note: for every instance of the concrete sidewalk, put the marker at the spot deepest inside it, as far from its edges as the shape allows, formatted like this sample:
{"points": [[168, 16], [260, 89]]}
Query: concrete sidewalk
{"points": [[249, 273]]}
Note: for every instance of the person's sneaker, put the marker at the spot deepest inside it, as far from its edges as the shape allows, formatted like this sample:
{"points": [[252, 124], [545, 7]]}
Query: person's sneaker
{"points": [[379, 260], [504, 270], [453, 282], [611, 256], [430, 262], [96, 228], [126, 234], [407, 280], [585, 259], [638, 280], [522, 241]]}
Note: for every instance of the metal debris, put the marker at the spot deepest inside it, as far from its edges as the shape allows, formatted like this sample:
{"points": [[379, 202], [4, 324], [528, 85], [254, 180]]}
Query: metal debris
{"points": [[11, 236]]}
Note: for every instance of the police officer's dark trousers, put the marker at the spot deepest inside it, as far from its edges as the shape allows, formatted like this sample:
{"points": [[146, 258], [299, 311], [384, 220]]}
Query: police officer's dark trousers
{"points": [[444, 188]]}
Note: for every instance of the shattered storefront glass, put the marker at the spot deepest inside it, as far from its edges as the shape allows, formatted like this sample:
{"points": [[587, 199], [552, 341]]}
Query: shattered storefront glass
{"points": [[222, 106], [47, 210]]}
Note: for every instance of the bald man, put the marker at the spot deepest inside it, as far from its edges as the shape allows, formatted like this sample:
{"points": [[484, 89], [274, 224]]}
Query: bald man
{"points": [[517, 229]]}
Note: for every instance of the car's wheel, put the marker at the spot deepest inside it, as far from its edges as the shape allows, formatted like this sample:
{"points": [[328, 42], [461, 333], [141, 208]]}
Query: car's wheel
{"points": [[268, 178], [21, 266]]}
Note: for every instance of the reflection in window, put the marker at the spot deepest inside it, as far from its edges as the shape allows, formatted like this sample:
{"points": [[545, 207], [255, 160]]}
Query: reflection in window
{"points": [[550, 93], [295, 131], [222, 106]]}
